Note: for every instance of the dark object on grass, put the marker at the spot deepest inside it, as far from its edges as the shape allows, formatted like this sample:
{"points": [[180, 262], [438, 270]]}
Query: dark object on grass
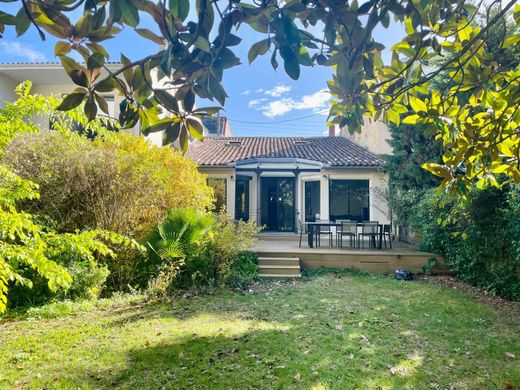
{"points": [[403, 274]]}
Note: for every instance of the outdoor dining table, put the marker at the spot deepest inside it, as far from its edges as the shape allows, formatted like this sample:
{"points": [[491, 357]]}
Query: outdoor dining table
{"points": [[311, 225]]}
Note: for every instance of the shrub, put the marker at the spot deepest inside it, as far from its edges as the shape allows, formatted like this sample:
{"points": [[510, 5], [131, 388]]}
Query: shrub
{"points": [[201, 249], [35, 256], [117, 182], [478, 238], [213, 264], [173, 241], [244, 270]]}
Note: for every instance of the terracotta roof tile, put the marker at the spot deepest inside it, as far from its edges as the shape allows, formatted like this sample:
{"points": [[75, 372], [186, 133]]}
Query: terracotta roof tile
{"points": [[333, 151]]}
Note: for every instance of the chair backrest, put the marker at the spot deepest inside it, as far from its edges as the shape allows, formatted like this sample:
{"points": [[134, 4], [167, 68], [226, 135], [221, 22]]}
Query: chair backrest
{"points": [[324, 228], [348, 227], [303, 226], [369, 227], [387, 228]]}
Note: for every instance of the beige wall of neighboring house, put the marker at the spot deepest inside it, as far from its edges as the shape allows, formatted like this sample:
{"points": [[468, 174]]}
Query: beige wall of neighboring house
{"points": [[373, 136]]}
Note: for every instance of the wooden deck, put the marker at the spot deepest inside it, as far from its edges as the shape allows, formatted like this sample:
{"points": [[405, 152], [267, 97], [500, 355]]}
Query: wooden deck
{"points": [[385, 260]]}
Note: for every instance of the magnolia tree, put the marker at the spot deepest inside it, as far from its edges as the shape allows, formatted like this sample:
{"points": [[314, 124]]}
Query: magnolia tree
{"points": [[480, 134]]}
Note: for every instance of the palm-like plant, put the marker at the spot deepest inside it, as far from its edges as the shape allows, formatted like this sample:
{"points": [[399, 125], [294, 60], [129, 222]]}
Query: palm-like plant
{"points": [[175, 238]]}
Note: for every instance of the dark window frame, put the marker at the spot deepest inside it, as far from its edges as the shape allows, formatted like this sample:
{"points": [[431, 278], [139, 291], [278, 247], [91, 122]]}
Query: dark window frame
{"points": [[360, 218]]}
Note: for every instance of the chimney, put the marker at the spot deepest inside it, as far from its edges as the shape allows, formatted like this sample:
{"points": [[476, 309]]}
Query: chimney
{"points": [[332, 131]]}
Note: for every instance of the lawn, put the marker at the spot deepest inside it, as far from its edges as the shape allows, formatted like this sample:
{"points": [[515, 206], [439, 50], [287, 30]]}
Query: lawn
{"points": [[355, 331]]}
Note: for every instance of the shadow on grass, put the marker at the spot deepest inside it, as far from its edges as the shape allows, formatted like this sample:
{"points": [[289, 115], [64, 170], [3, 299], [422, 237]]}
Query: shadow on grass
{"points": [[266, 359]]}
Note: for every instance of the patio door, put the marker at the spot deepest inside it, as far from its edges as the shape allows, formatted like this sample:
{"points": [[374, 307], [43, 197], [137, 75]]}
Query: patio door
{"points": [[277, 203], [312, 200]]}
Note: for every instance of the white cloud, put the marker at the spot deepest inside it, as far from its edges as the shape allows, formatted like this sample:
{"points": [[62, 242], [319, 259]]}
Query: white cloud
{"points": [[256, 102], [22, 50], [317, 102], [246, 92], [278, 91]]}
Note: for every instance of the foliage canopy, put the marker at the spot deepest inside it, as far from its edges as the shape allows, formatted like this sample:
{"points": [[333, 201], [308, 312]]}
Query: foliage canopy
{"points": [[480, 136]]}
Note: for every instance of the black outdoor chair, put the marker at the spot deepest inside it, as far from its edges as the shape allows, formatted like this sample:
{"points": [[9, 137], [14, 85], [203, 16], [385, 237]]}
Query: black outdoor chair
{"points": [[387, 231], [370, 230], [347, 229], [323, 230]]}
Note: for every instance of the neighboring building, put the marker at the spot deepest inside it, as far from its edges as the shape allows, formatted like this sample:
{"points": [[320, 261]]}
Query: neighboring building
{"points": [[49, 78], [374, 136], [277, 181], [217, 126]]}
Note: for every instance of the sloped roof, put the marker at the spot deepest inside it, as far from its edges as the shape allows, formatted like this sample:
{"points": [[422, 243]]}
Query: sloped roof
{"points": [[331, 151]]}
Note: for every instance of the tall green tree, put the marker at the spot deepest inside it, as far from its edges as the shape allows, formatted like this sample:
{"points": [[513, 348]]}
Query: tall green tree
{"points": [[480, 137]]}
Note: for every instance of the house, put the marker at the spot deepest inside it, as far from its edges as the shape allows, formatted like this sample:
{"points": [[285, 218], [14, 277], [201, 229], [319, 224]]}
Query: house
{"points": [[277, 181]]}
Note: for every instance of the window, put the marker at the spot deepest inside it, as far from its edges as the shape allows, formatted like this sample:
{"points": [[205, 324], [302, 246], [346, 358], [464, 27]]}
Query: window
{"points": [[312, 200], [349, 199], [242, 199], [220, 188]]}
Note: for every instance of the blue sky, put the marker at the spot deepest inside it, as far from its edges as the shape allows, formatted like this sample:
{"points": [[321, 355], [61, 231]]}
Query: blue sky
{"points": [[261, 101]]}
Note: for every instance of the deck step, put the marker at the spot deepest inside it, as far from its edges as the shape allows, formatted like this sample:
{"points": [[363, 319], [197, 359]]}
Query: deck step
{"points": [[280, 276], [278, 261], [279, 267]]}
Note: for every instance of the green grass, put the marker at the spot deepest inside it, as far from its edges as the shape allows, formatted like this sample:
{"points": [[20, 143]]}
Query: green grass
{"points": [[356, 331]]}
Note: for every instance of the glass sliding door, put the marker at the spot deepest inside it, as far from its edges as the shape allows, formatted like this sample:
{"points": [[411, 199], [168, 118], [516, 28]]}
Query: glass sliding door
{"points": [[242, 199], [312, 200], [277, 203], [349, 199]]}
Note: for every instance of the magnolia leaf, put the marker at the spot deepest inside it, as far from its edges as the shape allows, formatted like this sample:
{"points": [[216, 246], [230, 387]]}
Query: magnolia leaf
{"points": [[417, 104], [437, 169], [189, 100], [62, 48], [102, 104], [105, 85], [171, 133], [183, 138], [79, 77], [180, 8], [259, 48], [71, 101], [158, 126], [90, 109], [411, 119], [291, 64], [195, 127], [167, 100], [149, 34]]}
